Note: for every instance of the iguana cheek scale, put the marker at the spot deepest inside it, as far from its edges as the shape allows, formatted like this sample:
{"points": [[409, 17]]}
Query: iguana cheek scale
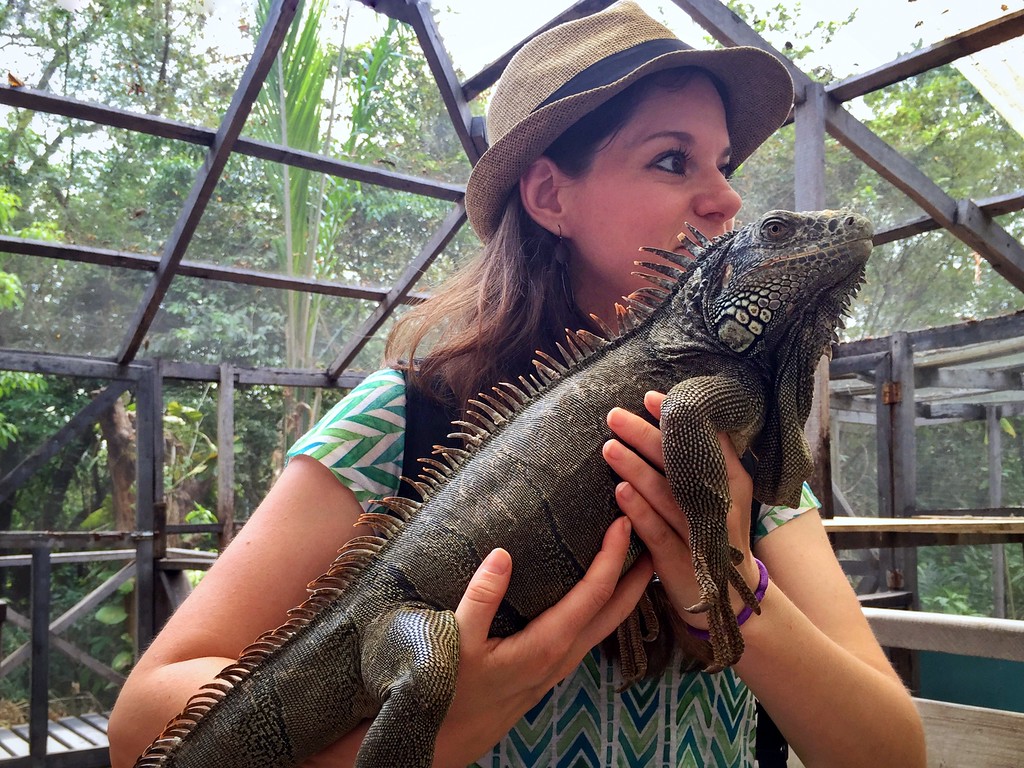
{"points": [[732, 335]]}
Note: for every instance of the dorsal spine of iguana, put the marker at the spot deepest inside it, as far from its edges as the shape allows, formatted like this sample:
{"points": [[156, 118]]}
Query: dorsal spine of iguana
{"points": [[732, 330]]}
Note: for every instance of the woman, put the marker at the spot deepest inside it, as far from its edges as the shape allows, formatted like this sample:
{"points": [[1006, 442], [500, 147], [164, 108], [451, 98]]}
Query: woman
{"points": [[607, 134]]}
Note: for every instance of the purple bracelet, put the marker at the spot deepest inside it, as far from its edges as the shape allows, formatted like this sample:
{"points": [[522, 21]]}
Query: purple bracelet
{"points": [[747, 612]]}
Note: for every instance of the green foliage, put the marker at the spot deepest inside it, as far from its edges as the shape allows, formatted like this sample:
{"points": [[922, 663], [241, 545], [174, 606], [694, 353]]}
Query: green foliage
{"points": [[959, 580]]}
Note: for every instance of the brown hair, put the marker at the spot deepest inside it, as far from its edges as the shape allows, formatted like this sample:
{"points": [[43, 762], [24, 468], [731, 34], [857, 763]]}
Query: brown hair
{"points": [[488, 320]]}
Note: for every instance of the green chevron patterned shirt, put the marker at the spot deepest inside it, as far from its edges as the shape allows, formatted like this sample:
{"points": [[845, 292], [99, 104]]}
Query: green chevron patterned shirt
{"points": [[687, 720]]}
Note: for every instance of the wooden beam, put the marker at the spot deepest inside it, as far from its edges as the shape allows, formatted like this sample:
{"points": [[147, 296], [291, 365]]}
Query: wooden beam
{"points": [[46, 363], [213, 272], [271, 37], [962, 218], [810, 196], [964, 221], [20, 655], [958, 734], [966, 378], [944, 633], [66, 365], [990, 206], [1006, 327], [226, 454], [966, 411], [430, 251], [946, 51], [149, 497], [39, 673], [77, 539], [868, 532], [50, 103], [422, 20], [75, 654]]}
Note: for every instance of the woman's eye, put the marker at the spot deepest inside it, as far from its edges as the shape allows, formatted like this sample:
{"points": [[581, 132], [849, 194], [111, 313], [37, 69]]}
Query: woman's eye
{"points": [[673, 162]]}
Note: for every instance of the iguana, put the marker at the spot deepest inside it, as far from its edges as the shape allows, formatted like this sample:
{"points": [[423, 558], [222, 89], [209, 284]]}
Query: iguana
{"points": [[732, 330]]}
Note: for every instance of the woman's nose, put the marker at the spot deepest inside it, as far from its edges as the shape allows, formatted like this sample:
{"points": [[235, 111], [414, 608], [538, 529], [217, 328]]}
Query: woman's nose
{"points": [[719, 202]]}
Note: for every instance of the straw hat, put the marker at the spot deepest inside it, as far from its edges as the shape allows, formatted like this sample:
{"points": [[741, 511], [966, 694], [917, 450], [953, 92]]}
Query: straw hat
{"points": [[569, 70]]}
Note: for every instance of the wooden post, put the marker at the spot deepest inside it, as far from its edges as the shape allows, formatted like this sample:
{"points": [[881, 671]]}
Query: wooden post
{"points": [[150, 499], [995, 499], [226, 454], [904, 448], [39, 675], [809, 119]]}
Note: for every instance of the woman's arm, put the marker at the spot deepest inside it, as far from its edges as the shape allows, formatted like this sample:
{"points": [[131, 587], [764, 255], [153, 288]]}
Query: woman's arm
{"points": [[810, 656], [290, 540]]}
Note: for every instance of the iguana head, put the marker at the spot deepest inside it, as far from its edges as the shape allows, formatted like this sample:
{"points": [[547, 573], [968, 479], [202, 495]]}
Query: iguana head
{"points": [[773, 273], [773, 293]]}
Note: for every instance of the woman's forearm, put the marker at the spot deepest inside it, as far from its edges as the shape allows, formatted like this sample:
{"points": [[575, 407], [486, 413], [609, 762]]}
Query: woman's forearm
{"points": [[149, 700], [834, 708]]}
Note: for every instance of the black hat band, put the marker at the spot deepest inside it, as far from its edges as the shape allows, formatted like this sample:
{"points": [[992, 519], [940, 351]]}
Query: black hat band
{"points": [[614, 67]]}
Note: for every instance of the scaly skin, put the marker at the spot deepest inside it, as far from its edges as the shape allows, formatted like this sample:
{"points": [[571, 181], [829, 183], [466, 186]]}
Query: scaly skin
{"points": [[732, 337]]}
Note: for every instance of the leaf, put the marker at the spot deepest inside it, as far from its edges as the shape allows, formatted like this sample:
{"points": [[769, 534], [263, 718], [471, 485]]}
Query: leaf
{"points": [[1007, 426], [111, 615]]}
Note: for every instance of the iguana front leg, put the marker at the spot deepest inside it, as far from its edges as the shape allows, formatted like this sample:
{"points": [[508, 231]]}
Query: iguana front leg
{"points": [[693, 412], [410, 661]]}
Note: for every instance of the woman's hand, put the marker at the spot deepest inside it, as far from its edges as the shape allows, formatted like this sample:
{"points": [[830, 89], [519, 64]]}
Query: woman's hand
{"points": [[646, 499], [500, 679]]}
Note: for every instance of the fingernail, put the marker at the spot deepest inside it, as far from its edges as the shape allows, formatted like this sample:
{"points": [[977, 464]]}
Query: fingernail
{"points": [[495, 563]]}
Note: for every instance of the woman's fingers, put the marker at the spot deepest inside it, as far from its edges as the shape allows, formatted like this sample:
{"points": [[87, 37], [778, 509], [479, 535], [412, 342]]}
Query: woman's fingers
{"points": [[483, 595], [639, 433]]}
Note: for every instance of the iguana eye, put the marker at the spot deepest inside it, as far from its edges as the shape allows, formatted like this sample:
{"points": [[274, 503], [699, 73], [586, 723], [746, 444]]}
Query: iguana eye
{"points": [[775, 229]]}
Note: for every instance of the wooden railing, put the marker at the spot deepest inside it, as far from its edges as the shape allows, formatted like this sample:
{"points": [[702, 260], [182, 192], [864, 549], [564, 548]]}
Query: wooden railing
{"points": [[56, 744]]}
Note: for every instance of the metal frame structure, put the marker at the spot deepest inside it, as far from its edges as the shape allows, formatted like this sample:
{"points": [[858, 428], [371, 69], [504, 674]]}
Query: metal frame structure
{"points": [[884, 366]]}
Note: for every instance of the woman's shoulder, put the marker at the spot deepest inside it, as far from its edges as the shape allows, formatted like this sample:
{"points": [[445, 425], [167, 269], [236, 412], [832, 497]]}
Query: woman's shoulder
{"points": [[361, 439]]}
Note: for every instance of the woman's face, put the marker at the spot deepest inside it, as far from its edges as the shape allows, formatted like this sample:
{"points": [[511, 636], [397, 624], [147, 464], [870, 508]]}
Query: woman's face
{"points": [[664, 169]]}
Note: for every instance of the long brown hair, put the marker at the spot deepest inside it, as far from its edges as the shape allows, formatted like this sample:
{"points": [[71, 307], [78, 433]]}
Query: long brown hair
{"points": [[487, 322]]}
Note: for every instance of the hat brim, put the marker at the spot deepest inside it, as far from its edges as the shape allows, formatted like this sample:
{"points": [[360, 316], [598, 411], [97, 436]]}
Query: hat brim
{"points": [[758, 99]]}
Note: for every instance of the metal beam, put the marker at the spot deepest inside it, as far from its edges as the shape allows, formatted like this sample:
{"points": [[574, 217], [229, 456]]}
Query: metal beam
{"points": [[271, 37], [451, 224]]}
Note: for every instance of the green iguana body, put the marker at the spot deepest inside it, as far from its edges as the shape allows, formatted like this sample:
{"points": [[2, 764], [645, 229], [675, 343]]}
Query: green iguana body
{"points": [[733, 336]]}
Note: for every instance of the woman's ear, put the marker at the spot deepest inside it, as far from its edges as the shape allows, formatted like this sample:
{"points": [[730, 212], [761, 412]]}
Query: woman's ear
{"points": [[539, 188]]}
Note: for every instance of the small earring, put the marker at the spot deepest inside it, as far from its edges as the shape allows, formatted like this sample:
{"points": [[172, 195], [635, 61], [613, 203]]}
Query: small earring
{"points": [[561, 256], [561, 250]]}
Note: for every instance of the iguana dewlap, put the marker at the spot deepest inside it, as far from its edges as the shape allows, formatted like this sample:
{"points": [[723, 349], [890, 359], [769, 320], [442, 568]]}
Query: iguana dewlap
{"points": [[733, 335]]}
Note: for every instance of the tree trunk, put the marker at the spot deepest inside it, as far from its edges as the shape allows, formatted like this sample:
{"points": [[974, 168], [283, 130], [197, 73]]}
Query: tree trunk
{"points": [[117, 426]]}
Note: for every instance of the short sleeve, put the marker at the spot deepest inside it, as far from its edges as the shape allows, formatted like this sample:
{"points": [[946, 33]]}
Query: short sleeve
{"points": [[362, 438], [771, 518]]}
